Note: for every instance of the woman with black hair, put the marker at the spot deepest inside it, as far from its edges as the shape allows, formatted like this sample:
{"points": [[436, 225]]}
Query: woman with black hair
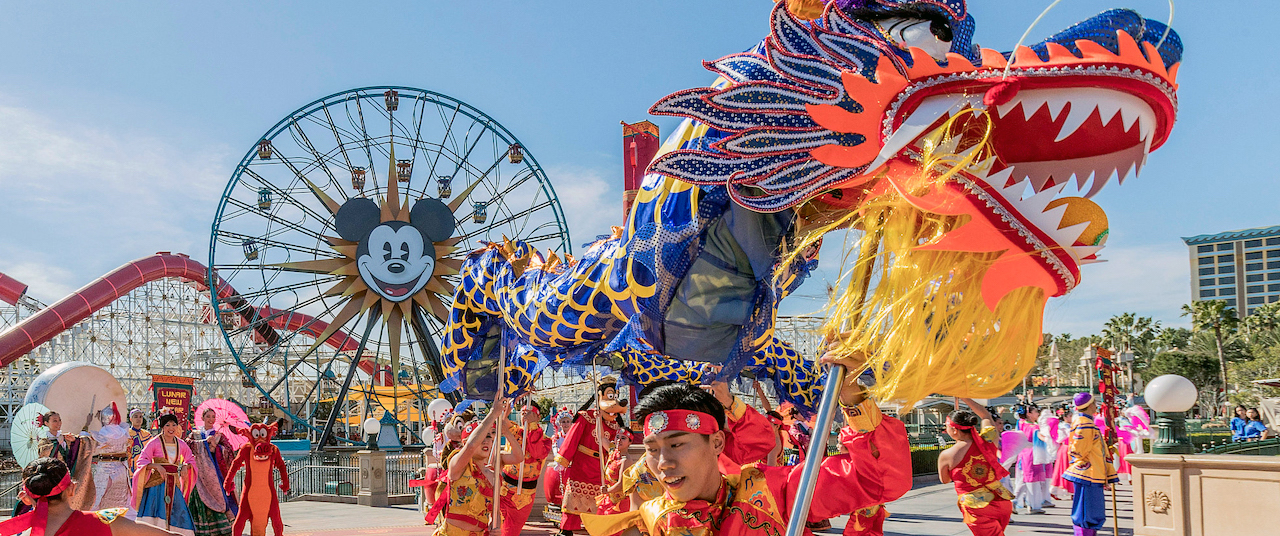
{"points": [[165, 478], [139, 435], [75, 451], [973, 464], [47, 487]]}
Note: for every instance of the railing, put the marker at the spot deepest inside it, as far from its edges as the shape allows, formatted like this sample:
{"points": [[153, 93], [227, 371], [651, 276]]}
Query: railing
{"points": [[401, 468], [322, 473], [10, 481], [1265, 447], [330, 473]]}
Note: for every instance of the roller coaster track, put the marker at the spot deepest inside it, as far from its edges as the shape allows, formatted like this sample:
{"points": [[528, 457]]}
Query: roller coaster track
{"points": [[43, 326]]}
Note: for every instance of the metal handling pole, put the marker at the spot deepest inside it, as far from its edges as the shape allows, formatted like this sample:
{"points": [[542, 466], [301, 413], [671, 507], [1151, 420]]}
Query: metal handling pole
{"points": [[830, 396], [496, 449], [817, 451]]}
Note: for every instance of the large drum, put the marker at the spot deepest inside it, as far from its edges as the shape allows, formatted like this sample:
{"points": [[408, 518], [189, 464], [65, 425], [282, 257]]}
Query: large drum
{"points": [[76, 390]]}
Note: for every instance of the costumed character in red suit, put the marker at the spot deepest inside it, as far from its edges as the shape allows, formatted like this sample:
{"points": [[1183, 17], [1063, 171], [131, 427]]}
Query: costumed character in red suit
{"points": [[258, 502], [47, 488], [683, 428], [521, 483], [582, 454]]}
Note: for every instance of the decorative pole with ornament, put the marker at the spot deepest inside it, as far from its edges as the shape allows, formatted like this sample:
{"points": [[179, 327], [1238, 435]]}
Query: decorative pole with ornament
{"points": [[1108, 390]]}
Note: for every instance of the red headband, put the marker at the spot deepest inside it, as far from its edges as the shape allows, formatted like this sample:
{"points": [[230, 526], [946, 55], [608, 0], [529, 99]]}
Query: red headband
{"points": [[37, 519], [680, 420], [470, 427], [985, 447]]}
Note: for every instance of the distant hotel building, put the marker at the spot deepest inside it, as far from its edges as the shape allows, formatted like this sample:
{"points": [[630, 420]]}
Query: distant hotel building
{"points": [[1239, 267]]}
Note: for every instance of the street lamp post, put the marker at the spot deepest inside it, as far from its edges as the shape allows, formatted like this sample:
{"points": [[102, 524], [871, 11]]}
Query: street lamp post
{"points": [[371, 427], [1171, 396]]}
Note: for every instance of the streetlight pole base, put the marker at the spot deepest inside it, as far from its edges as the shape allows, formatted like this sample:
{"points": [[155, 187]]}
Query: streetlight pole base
{"points": [[1171, 434]]}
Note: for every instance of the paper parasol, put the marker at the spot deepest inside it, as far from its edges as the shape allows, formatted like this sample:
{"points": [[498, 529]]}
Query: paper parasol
{"points": [[226, 414], [24, 434]]}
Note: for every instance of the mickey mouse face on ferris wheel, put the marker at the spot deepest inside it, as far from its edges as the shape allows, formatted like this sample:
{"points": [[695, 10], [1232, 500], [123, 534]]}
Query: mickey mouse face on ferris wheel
{"points": [[395, 258]]}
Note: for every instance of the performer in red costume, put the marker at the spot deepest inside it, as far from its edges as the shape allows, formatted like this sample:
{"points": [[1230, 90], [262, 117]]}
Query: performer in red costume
{"points": [[973, 465], [258, 502], [581, 454], [518, 494], [748, 436], [47, 488], [684, 428]]}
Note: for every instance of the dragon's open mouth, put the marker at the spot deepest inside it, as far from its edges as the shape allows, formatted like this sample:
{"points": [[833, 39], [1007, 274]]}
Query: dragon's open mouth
{"points": [[1042, 139]]}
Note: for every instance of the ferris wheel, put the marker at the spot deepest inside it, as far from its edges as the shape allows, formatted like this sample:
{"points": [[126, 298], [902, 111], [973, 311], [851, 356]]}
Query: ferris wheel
{"points": [[342, 231]]}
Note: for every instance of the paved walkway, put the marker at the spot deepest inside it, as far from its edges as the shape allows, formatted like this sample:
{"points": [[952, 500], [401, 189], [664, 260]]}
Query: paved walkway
{"points": [[930, 509]]}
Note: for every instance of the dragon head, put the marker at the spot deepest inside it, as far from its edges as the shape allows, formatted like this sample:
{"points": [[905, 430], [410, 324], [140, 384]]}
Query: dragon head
{"points": [[259, 436], [887, 101]]}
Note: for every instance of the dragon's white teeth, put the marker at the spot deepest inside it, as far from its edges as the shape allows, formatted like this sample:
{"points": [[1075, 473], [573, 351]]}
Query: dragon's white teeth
{"points": [[1032, 104], [1005, 108], [1082, 177], [1053, 216], [1107, 109], [1100, 180], [1056, 103], [1036, 203], [1124, 172], [1146, 125], [1129, 115], [998, 180], [1069, 235], [1077, 116], [925, 115]]}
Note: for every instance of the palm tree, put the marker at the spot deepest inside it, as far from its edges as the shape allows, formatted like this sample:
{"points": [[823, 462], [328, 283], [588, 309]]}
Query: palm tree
{"points": [[1214, 315]]}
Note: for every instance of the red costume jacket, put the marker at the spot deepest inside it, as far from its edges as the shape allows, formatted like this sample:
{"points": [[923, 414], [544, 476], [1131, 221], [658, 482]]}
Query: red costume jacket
{"points": [[748, 437]]}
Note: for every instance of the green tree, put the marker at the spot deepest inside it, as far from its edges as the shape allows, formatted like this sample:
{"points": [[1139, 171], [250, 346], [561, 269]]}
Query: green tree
{"points": [[1214, 316], [1172, 339], [1200, 368], [1129, 331]]}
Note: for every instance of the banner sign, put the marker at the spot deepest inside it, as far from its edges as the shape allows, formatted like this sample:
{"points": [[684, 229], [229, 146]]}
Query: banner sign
{"points": [[174, 392]]}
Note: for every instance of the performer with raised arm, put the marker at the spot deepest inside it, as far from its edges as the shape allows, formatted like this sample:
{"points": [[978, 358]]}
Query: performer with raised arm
{"points": [[520, 480], [582, 453], [110, 461], [973, 464], [684, 427], [467, 503]]}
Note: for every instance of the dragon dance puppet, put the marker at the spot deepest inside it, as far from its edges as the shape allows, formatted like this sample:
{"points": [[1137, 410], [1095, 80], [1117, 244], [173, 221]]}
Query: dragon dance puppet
{"points": [[954, 167]]}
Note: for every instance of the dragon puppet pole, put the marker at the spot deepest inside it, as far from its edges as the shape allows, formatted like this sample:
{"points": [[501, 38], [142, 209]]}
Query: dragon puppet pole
{"points": [[495, 452], [600, 442], [830, 396]]}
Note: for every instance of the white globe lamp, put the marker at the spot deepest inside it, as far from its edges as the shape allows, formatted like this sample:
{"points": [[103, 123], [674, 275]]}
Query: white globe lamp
{"points": [[1171, 396], [371, 427]]}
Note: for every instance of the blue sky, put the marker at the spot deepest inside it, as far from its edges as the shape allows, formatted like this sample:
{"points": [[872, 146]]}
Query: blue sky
{"points": [[121, 123]]}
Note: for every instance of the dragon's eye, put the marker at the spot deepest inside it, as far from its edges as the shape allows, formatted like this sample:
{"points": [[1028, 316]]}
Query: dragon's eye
{"points": [[941, 29]]}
